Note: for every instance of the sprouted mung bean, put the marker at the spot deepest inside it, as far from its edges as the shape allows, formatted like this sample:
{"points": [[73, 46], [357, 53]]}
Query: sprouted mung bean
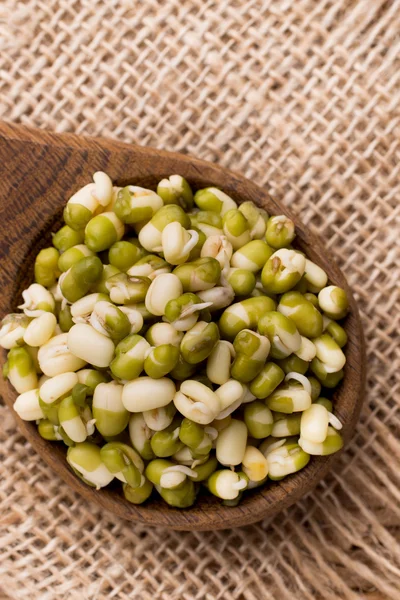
{"points": [[174, 341]]}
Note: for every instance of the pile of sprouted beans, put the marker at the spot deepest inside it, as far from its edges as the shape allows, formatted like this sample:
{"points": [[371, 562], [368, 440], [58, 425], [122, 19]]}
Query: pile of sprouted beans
{"points": [[176, 341]]}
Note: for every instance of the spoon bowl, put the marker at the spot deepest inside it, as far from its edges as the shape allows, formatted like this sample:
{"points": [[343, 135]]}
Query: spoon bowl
{"points": [[39, 172]]}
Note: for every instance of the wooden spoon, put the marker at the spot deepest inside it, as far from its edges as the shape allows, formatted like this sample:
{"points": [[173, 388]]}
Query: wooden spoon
{"points": [[39, 172]]}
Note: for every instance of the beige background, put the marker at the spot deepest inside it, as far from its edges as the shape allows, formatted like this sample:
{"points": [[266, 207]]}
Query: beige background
{"points": [[303, 97]]}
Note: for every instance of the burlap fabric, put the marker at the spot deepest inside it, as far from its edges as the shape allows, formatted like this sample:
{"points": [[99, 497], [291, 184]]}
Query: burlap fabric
{"points": [[303, 97]]}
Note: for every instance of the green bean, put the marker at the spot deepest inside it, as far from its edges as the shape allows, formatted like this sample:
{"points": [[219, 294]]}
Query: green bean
{"points": [[207, 217], [193, 435], [27, 406], [75, 419], [195, 252], [270, 376], [258, 419], [139, 494], [88, 344], [81, 207], [176, 190], [124, 255], [288, 398], [306, 317], [281, 332], [214, 199], [103, 231], [184, 311], [129, 357], [280, 232], [231, 443], [314, 424], [198, 343], [242, 281], [293, 363], [236, 228], [127, 289], [66, 237], [48, 431], [254, 464], [337, 332], [161, 360], [315, 277], [197, 402], [85, 460], [218, 247], [50, 411], [163, 333], [329, 380], [156, 468], [36, 300], [163, 289], [109, 320], [55, 357], [21, 370], [166, 443], [65, 319], [227, 484], [257, 218], [204, 470], [80, 278], [251, 353], [311, 298], [12, 330], [219, 362], [286, 459], [46, 267], [218, 297], [159, 419], [324, 402], [329, 353], [108, 409], [244, 315], [315, 387], [183, 370], [72, 256], [79, 394], [333, 302], [91, 378], [282, 271], [124, 462], [136, 205], [252, 256], [286, 425], [149, 266], [201, 274], [333, 443], [150, 236], [140, 436], [179, 498]]}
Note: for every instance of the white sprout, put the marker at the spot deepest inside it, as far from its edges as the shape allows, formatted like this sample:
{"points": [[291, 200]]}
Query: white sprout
{"points": [[334, 421], [301, 379]]}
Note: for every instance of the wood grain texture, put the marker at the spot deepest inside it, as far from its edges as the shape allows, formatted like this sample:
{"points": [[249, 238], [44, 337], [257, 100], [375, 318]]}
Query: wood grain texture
{"points": [[39, 171]]}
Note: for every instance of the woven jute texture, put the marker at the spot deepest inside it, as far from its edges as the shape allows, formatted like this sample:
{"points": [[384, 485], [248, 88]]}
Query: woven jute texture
{"points": [[303, 97]]}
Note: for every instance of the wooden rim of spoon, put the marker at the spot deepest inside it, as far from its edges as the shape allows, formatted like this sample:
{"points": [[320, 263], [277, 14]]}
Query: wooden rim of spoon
{"points": [[39, 172]]}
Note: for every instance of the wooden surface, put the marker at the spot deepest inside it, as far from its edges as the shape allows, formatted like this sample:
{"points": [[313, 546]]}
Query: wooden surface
{"points": [[39, 171]]}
